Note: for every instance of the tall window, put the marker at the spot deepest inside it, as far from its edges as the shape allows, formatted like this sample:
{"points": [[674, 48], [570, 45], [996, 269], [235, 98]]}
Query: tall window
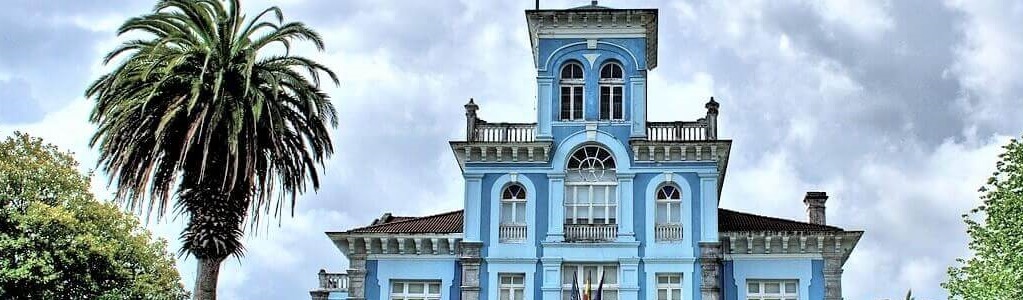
{"points": [[591, 195], [572, 82], [415, 290], [611, 87], [513, 213], [512, 287], [772, 290], [669, 286], [581, 273], [668, 222]]}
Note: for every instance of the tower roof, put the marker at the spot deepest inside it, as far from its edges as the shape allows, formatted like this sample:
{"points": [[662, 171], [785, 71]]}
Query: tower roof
{"points": [[594, 21]]}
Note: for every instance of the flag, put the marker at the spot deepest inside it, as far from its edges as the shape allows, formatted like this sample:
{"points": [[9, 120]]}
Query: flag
{"points": [[575, 288], [586, 293], [600, 288]]}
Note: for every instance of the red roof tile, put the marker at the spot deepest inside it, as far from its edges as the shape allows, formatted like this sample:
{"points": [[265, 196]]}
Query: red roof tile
{"points": [[451, 222]]}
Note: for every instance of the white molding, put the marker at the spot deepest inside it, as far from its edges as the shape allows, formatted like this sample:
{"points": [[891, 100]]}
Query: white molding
{"points": [[510, 260], [669, 260], [775, 256], [411, 257]]}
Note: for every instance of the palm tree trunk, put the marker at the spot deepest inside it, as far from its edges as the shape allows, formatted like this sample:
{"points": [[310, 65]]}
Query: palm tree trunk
{"points": [[206, 279]]}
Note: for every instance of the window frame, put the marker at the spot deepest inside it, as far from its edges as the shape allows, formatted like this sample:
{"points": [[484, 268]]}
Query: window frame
{"points": [[566, 287], [512, 287], [668, 201], [610, 87], [425, 295], [576, 88], [515, 203], [762, 294], [607, 182], [669, 286]]}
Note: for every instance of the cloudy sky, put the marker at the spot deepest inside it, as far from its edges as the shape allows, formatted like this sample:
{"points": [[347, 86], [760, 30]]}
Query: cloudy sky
{"points": [[896, 108]]}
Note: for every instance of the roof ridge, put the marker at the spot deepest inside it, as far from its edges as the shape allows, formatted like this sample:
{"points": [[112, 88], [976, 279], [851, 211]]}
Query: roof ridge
{"points": [[405, 221], [779, 219]]}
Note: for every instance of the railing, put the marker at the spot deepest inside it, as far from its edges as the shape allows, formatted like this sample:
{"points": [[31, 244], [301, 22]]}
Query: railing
{"points": [[591, 232], [333, 281], [676, 131], [504, 132], [668, 232], [512, 232]]}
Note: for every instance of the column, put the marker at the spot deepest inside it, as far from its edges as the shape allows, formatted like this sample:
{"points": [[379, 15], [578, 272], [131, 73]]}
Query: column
{"points": [[470, 259], [832, 273], [551, 277], [556, 210], [357, 276], [544, 92], [473, 203], [710, 265], [628, 279], [626, 202], [709, 207], [638, 100]]}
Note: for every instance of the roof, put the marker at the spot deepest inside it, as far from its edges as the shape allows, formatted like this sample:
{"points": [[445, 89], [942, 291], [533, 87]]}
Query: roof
{"points": [[451, 222], [734, 221]]}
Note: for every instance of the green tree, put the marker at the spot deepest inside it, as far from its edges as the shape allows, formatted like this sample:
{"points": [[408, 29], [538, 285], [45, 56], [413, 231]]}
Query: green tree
{"points": [[212, 114], [58, 242], [996, 236]]}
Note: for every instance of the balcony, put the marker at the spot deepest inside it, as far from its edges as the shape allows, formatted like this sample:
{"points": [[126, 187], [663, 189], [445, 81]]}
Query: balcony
{"points": [[668, 232], [333, 281], [677, 131], [591, 232], [512, 233], [484, 132]]}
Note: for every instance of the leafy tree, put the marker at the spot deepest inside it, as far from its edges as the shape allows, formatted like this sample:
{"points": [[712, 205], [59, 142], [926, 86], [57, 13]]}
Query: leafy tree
{"points": [[58, 242], [210, 113], [996, 269]]}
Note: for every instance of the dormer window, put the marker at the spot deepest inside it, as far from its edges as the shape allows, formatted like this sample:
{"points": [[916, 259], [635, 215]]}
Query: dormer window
{"points": [[572, 82], [611, 87]]}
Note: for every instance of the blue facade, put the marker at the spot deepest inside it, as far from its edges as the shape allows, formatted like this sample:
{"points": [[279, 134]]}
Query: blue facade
{"points": [[652, 244]]}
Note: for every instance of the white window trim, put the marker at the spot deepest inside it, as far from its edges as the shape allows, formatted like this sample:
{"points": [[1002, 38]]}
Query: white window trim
{"points": [[515, 203], [404, 293], [512, 288], [763, 295], [610, 208], [595, 282], [668, 206], [669, 287]]}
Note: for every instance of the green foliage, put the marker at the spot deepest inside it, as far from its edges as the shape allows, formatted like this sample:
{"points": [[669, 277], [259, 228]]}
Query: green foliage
{"points": [[212, 108], [58, 242], [996, 269]]}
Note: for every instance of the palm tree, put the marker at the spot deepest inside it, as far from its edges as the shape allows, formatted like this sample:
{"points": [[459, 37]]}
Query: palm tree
{"points": [[212, 114]]}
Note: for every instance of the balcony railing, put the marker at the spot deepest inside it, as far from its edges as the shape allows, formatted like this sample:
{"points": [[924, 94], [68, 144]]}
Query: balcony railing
{"points": [[677, 131], [512, 232], [668, 232], [503, 132], [333, 281], [591, 232]]}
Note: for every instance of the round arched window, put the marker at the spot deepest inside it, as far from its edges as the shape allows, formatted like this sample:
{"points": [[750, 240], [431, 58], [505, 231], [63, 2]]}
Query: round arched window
{"points": [[591, 194], [591, 164]]}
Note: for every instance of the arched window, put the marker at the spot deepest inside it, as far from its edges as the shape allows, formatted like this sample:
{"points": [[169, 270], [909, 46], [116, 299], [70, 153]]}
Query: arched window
{"points": [[572, 82], [591, 195], [611, 88], [668, 222], [513, 213]]}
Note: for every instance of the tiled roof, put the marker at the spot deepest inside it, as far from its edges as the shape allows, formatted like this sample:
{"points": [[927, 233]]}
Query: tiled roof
{"points": [[730, 220], [451, 222]]}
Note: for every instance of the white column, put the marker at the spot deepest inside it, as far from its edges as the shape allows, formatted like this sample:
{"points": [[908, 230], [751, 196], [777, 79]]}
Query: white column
{"points": [[556, 210], [626, 232], [473, 203], [544, 93], [709, 205], [638, 106]]}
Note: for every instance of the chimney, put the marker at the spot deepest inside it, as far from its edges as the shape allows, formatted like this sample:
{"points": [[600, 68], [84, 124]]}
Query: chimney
{"points": [[712, 119], [470, 120], [815, 207]]}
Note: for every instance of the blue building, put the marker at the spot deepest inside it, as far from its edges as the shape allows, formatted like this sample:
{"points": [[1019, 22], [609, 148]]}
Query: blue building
{"points": [[592, 195]]}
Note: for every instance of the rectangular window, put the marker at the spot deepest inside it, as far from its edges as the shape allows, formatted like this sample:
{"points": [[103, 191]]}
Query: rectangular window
{"points": [[669, 286], [772, 289], [611, 102], [571, 102], [415, 290], [590, 203], [592, 272], [512, 287]]}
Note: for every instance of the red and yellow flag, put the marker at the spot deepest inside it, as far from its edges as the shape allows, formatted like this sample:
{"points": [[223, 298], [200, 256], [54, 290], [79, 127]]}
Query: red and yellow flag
{"points": [[586, 291]]}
